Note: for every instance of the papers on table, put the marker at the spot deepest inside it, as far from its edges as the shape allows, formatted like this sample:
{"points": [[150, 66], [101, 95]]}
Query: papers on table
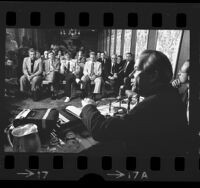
{"points": [[63, 119], [104, 109], [75, 110], [124, 105]]}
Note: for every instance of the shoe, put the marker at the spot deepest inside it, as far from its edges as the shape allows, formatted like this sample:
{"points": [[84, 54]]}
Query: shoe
{"points": [[35, 96], [67, 99]]}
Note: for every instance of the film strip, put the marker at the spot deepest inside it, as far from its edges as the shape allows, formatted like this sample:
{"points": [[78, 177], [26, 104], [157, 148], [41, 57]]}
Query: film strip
{"points": [[178, 23]]}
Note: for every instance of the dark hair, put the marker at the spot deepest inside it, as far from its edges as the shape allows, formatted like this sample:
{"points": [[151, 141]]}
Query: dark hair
{"points": [[92, 53], [129, 53], [68, 53], [120, 56], [151, 61], [31, 50], [51, 51]]}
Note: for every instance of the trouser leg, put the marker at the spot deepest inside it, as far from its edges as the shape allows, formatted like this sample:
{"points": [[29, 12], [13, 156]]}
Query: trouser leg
{"points": [[86, 85], [24, 84], [36, 83], [97, 87], [70, 78]]}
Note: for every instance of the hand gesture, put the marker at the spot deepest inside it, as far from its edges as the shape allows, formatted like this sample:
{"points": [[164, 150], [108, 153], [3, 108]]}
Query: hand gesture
{"points": [[176, 83]]}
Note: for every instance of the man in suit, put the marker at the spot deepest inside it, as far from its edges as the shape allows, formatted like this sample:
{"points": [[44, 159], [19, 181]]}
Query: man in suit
{"points": [[92, 75], [72, 71], [112, 79], [32, 70], [45, 55], [66, 69], [155, 126], [105, 66], [51, 73], [126, 73]]}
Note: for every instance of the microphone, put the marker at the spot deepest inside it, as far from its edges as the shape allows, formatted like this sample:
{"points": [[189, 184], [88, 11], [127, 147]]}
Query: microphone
{"points": [[129, 104]]}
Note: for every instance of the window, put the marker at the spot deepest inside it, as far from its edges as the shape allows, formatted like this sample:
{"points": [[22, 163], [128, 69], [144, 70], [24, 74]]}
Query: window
{"points": [[108, 42], [168, 42], [141, 42], [118, 42], [127, 41], [112, 47], [104, 38]]}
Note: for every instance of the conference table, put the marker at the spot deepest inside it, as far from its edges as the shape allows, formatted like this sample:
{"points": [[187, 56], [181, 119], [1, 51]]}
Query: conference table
{"points": [[77, 139]]}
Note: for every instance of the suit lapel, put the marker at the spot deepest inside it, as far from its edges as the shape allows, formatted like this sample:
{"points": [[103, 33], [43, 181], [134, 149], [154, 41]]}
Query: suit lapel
{"points": [[35, 66], [29, 64]]}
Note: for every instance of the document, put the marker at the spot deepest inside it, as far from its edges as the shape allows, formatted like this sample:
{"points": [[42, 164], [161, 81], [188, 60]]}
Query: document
{"points": [[75, 110]]}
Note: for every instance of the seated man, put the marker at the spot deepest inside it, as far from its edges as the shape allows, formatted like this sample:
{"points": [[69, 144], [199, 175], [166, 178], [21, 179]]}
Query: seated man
{"points": [[105, 64], [72, 70], [182, 83], [126, 73], [157, 125], [51, 73], [67, 70], [45, 55], [92, 75], [113, 80], [32, 69]]}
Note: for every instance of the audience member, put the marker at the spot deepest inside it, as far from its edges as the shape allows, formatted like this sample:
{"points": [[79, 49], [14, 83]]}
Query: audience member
{"points": [[51, 73], [32, 70], [92, 75]]}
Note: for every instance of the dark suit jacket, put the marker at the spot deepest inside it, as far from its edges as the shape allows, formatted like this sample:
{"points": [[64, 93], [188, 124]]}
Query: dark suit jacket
{"points": [[157, 125], [105, 67], [115, 69], [129, 69]]}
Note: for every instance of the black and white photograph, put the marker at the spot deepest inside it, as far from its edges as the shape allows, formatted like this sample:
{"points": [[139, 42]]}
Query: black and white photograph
{"points": [[115, 91]]}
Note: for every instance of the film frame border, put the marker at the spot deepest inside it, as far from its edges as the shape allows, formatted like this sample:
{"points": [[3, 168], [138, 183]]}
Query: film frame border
{"points": [[150, 19]]}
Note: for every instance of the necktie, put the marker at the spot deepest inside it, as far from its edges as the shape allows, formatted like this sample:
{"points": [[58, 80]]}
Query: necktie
{"points": [[126, 66], [112, 69], [92, 69], [68, 66], [32, 64]]}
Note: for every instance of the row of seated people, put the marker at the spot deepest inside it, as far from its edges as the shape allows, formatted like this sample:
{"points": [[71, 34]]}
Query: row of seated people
{"points": [[90, 75]]}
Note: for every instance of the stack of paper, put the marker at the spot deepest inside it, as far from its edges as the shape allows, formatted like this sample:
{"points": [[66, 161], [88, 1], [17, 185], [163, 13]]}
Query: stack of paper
{"points": [[74, 110]]}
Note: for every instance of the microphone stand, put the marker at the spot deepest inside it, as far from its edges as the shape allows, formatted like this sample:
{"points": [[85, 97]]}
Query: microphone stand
{"points": [[129, 103]]}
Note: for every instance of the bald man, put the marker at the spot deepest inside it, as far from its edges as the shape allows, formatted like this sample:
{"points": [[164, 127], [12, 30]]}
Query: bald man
{"points": [[113, 79]]}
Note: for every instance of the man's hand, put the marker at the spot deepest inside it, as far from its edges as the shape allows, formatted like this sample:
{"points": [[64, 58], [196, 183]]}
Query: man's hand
{"points": [[87, 101], [176, 83], [92, 78], [115, 76], [110, 77], [28, 77], [31, 77]]}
